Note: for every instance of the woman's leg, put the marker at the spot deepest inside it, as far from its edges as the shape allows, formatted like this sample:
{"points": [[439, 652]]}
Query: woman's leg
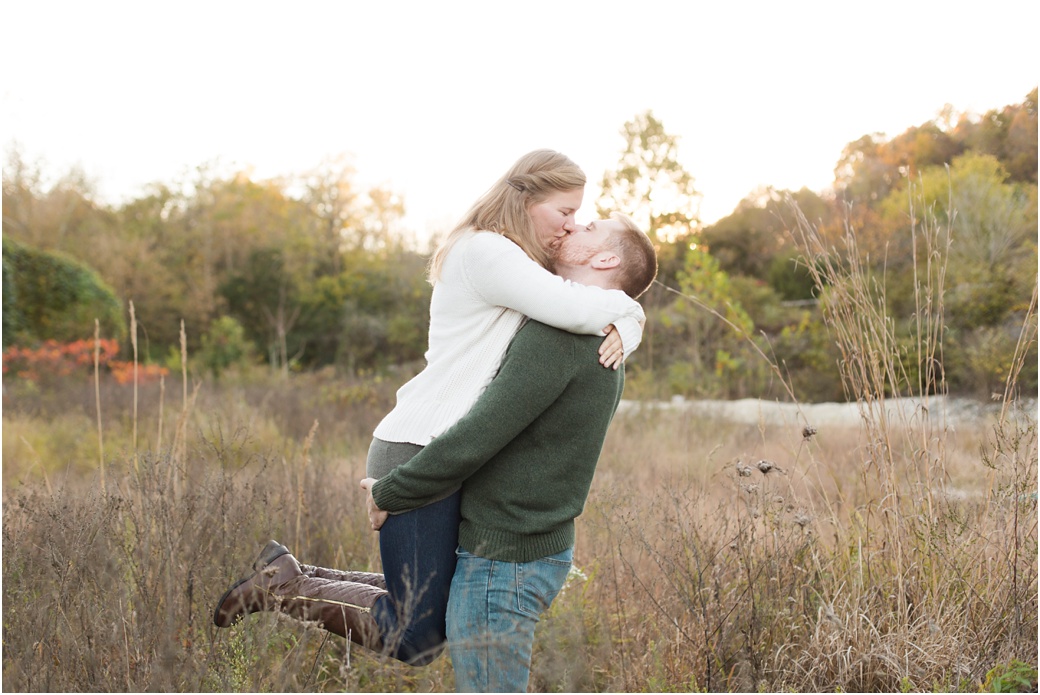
{"points": [[418, 553], [277, 583], [406, 623], [401, 612]]}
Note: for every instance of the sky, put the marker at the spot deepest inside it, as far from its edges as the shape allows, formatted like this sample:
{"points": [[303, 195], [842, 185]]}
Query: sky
{"points": [[436, 99]]}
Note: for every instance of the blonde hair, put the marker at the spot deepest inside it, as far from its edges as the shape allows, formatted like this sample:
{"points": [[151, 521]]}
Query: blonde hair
{"points": [[503, 209], [638, 266]]}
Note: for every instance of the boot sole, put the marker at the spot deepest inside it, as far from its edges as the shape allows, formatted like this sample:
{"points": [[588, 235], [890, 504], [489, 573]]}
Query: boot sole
{"points": [[216, 613]]}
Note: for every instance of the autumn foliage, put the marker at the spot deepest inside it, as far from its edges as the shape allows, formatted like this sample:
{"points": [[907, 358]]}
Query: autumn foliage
{"points": [[52, 359], [311, 271]]}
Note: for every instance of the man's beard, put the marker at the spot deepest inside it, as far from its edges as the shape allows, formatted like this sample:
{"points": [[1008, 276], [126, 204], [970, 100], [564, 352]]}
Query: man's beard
{"points": [[561, 255]]}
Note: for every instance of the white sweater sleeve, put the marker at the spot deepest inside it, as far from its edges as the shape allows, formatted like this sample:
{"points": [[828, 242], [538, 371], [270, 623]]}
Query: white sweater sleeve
{"points": [[501, 274], [631, 332]]}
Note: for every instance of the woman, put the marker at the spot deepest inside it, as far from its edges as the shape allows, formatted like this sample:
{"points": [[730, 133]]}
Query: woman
{"points": [[489, 275]]}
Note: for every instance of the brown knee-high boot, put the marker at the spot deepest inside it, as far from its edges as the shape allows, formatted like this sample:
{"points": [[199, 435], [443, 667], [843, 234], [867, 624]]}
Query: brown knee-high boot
{"points": [[273, 549], [342, 607], [370, 578]]}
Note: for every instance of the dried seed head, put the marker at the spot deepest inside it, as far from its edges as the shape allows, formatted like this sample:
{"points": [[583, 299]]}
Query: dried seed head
{"points": [[808, 432], [768, 467], [742, 470], [750, 488], [802, 520]]}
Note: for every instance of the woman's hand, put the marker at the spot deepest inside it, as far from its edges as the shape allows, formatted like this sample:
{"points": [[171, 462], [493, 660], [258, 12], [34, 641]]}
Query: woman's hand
{"points": [[376, 516], [611, 351]]}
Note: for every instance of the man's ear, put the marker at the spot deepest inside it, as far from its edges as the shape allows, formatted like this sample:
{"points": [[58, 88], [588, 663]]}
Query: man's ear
{"points": [[605, 260]]}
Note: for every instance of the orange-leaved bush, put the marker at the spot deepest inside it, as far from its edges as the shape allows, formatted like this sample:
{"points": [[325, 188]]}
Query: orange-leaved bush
{"points": [[53, 359]]}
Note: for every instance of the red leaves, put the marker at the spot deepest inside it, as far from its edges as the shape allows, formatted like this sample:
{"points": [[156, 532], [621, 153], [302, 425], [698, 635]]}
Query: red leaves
{"points": [[55, 360], [123, 372]]}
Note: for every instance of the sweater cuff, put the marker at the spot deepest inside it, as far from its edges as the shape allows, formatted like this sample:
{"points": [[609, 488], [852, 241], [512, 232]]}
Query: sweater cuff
{"points": [[631, 334], [393, 502], [388, 498]]}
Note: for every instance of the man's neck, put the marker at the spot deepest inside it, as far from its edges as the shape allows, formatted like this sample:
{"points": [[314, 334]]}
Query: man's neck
{"points": [[585, 275]]}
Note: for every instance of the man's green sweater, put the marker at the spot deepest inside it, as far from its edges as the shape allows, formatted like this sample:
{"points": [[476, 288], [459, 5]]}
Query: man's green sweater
{"points": [[526, 452]]}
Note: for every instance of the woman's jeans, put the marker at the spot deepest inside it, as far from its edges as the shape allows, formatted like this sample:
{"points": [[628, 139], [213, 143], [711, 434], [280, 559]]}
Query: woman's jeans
{"points": [[492, 612], [418, 553]]}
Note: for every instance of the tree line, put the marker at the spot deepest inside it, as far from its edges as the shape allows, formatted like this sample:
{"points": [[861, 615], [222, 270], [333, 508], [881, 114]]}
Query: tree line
{"points": [[310, 271]]}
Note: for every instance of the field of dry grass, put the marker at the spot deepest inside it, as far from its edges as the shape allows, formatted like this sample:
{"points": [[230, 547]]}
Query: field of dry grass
{"points": [[698, 570]]}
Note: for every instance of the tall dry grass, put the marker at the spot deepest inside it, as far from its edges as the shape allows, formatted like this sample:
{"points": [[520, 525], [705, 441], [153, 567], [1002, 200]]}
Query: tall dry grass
{"points": [[111, 586], [701, 572], [895, 554]]}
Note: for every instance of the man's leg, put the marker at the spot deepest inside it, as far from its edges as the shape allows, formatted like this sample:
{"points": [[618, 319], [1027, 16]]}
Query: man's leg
{"points": [[492, 613]]}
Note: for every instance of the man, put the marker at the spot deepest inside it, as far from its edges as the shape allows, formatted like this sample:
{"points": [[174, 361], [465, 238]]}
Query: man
{"points": [[525, 456]]}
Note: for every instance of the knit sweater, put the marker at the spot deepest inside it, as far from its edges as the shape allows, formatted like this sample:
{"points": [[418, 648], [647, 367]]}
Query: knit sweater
{"points": [[487, 287], [525, 453]]}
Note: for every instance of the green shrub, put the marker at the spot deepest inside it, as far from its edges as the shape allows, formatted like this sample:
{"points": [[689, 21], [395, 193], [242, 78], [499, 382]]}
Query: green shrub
{"points": [[48, 296], [224, 345], [1015, 677]]}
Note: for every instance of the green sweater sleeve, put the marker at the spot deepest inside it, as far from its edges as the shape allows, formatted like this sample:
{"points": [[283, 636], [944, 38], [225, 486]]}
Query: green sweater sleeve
{"points": [[536, 369]]}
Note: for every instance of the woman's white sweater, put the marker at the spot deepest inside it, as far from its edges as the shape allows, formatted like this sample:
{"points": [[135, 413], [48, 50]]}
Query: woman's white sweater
{"points": [[487, 288]]}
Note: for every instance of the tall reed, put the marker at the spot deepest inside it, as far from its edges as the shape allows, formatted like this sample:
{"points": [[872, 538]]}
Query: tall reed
{"points": [[97, 402]]}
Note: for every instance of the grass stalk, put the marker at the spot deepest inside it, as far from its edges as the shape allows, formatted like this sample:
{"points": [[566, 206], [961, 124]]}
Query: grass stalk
{"points": [[133, 343], [301, 481], [177, 460], [162, 400], [97, 400]]}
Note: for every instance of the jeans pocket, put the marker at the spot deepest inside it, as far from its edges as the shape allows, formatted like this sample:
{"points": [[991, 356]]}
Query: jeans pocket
{"points": [[539, 581]]}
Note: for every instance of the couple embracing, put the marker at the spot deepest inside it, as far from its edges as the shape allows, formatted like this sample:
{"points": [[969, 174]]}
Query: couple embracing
{"points": [[477, 474]]}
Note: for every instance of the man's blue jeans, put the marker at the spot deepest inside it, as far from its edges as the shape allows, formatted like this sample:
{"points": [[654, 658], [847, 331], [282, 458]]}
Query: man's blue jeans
{"points": [[492, 612]]}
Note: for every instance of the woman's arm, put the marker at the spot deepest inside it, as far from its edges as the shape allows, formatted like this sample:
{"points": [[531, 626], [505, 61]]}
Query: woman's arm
{"points": [[501, 274]]}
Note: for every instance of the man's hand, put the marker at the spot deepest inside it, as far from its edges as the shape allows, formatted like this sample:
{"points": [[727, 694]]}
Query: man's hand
{"points": [[376, 516]]}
